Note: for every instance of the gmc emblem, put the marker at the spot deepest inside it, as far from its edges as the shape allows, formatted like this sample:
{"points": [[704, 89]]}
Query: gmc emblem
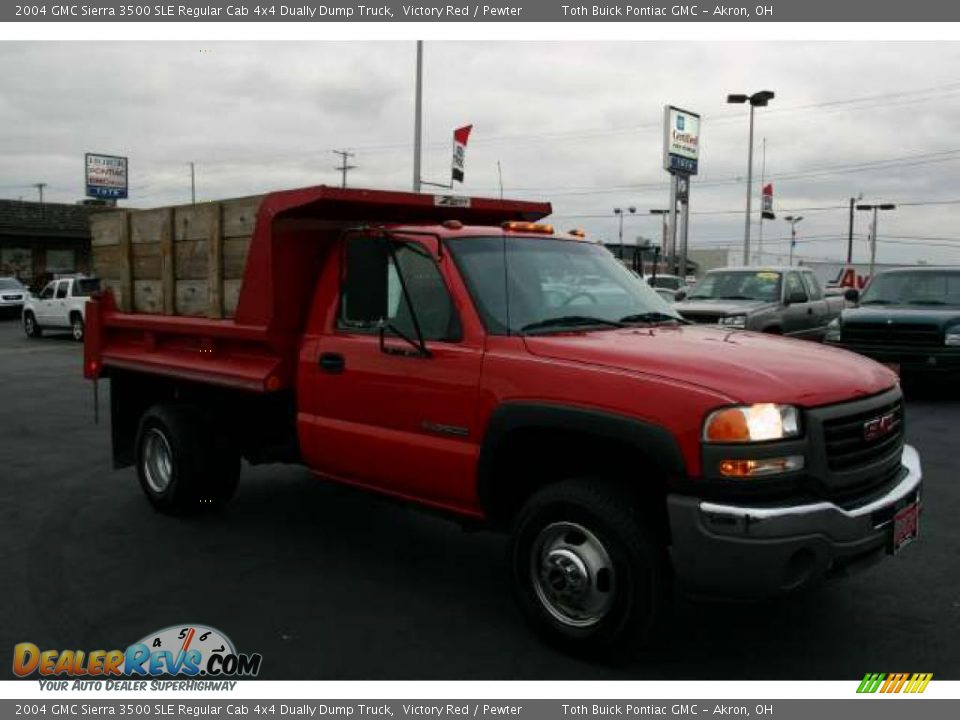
{"points": [[878, 427]]}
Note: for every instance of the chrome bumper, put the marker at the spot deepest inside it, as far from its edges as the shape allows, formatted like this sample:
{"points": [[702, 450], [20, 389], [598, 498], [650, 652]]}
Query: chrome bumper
{"points": [[751, 551]]}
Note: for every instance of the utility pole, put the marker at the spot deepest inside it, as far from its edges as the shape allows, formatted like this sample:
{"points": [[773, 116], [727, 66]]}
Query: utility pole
{"points": [[500, 176], [40, 187], [343, 167], [193, 184], [418, 122], [873, 229]]}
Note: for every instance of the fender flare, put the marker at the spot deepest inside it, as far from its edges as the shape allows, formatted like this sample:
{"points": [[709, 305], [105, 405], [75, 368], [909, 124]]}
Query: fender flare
{"points": [[654, 441]]}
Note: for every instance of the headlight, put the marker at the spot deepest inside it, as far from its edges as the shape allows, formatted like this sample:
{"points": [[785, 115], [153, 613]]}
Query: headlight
{"points": [[736, 321], [752, 423], [952, 338], [833, 330]]}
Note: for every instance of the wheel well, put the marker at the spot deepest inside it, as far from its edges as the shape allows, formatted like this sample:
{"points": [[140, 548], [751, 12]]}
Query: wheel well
{"points": [[528, 459], [773, 330], [263, 427], [75, 313]]}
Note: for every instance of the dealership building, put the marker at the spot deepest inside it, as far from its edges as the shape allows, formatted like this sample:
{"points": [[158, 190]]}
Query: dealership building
{"points": [[38, 240]]}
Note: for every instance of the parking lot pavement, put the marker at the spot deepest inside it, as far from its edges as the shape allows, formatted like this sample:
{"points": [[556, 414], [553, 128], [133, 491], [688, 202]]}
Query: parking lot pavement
{"points": [[330, 583]]}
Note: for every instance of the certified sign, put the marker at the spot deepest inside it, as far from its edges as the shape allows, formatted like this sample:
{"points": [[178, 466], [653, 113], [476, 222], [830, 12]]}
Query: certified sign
{"points": [[681, 140], [105, 176]]}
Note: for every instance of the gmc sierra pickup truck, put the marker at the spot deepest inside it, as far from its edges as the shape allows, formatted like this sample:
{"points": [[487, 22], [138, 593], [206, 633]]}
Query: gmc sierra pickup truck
{"points": [[454, 353], [777, 300]]}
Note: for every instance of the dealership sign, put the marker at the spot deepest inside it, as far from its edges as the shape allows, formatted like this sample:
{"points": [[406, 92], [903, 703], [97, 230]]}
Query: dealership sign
{"points": [[681, 140], [105, 176]]}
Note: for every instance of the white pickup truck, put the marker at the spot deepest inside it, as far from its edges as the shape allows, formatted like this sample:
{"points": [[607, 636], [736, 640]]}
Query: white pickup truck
{"points": [[61, 305]]}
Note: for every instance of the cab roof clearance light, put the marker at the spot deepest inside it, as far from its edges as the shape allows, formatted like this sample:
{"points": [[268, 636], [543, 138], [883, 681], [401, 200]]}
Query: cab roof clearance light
{"points": [[528, 227]]}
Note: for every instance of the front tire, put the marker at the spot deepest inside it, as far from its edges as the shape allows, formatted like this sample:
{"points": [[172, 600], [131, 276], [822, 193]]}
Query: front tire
{"points": [[182, 465], [590, 573], [30, 326], [76, 327]]}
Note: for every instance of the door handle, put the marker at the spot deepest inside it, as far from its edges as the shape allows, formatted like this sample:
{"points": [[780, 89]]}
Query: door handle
{"points": [[332, 363]]}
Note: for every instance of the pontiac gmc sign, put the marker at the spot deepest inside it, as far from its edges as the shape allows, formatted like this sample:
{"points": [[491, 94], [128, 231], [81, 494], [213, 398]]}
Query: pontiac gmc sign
{"points": [[105, 176], [681, 140]]}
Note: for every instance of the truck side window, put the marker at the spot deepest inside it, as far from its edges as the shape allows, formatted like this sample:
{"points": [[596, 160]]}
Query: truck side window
{"points": [[62, 289], [47, 292], [813, 287], [371, 290], [795, 285]]}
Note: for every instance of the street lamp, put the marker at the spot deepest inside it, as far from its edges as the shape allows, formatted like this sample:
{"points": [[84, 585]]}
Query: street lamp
{"points": [[793, 220], [758, 99], [873, 229], [668, 256], [621, 212]]}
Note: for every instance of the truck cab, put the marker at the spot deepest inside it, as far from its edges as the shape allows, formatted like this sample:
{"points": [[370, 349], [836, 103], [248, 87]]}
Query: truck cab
{"points": [[457, 354]]}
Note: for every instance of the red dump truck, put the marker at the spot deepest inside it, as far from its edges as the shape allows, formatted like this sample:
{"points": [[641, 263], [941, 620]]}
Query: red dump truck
{"points": [[456, 353]]}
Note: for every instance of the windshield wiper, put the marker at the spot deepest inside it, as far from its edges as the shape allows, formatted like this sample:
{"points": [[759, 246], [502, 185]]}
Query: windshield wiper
{"points": [[569, 321], [876, 301], [650, 317], [925, 302], [735, 297]]}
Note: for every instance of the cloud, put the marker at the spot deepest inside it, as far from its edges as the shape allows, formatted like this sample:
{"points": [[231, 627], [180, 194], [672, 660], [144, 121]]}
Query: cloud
{"points": [[576, 123]]}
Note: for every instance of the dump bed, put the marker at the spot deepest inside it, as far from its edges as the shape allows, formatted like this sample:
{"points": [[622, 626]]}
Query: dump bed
{"points": [[219, 292]]}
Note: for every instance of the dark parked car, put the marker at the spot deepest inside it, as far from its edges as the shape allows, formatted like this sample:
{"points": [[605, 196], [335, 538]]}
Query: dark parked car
{"points": [[907, 318], [780, 300]]}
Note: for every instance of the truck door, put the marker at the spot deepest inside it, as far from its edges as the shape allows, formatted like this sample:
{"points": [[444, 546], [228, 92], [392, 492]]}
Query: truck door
{"points": [[821, 309], [383, 414], [58, 306], [798, 316], [42, 306]]}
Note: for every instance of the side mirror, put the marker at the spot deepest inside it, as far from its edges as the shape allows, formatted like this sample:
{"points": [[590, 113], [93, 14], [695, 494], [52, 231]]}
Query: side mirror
{"points": [[680, 295], [851, 295], [796, 297]]}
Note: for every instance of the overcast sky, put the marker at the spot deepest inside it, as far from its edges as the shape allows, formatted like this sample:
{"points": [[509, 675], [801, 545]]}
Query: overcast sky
{"points": [[578, 124]]}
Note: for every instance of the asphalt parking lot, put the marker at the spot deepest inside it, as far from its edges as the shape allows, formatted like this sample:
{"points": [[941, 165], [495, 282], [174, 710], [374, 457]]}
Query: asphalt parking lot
{"points": [[330, 583]]}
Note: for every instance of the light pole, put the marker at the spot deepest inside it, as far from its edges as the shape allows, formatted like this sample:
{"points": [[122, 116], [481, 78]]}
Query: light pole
{"points": [[621, 212], [758, 99], [793, 220], [873, 229], [663, 242]]}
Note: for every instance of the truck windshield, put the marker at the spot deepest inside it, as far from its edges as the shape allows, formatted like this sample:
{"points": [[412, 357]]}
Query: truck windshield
{"points": [[925, 287], [526, 285], [738, 285]]}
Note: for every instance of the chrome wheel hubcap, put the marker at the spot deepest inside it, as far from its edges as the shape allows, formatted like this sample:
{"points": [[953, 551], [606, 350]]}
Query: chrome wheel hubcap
{"points": [[77, 330], [157, 461], [572, 574]]}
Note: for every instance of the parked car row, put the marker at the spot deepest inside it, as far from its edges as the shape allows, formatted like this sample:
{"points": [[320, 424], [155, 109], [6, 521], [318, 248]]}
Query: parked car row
{"points": [[906, 318]]}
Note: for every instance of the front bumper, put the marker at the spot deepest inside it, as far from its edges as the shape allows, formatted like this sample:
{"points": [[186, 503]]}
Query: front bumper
{"points": [[754, 551], [926, 358]]}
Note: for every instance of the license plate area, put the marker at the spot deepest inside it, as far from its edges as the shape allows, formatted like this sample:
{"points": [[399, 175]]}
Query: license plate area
{"points": [[905, 527]]}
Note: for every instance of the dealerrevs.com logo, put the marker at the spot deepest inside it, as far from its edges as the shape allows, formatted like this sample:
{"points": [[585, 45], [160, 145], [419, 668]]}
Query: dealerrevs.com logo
{"points": [[180, 650]]}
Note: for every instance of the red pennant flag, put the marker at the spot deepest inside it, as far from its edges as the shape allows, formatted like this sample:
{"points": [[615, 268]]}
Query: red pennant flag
{"points": [[767, 208], [460, 137]]}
